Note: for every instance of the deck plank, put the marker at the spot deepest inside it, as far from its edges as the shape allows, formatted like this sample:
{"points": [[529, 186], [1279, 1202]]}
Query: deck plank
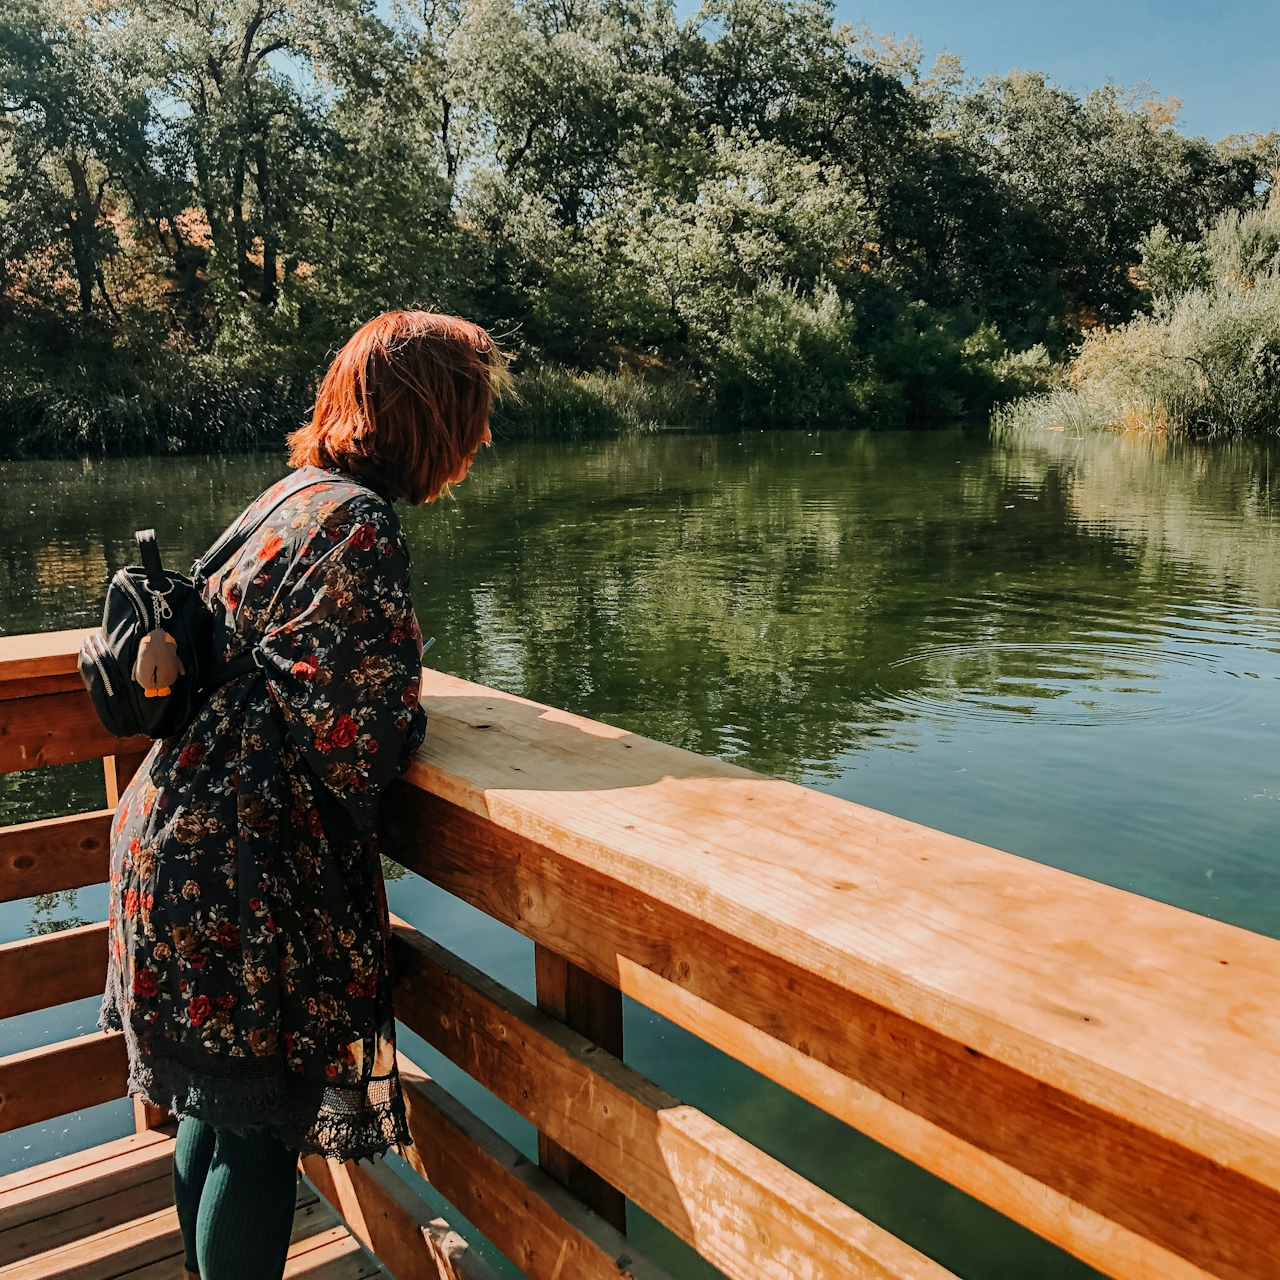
{"points": [[107, 1213]]}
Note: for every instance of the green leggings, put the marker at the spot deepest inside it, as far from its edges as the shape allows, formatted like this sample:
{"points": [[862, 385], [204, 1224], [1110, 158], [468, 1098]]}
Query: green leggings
{"points": [[235, 1194]]}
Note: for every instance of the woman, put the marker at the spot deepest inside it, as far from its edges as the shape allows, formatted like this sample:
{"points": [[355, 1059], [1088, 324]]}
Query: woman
{"points": [[249, 934]]}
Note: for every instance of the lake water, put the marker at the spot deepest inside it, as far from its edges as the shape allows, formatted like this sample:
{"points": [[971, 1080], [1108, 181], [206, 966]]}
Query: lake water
{"points": [[1069, 649]]}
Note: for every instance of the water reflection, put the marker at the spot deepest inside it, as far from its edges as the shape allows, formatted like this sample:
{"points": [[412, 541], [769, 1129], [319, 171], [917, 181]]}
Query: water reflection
{"points": [[1069, 649]]}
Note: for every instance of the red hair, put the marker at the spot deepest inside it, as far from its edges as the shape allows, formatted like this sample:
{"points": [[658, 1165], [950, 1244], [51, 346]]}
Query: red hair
{"points": [[405, 404]]}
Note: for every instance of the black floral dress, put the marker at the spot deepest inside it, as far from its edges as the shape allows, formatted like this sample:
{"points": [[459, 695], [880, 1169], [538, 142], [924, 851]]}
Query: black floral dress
{"points": [[248, 932]]}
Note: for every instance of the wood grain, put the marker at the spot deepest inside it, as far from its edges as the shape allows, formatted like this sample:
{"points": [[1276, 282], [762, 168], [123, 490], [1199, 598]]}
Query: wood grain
{"points": [[547, 1232], [39, 655], [395, 1224], [118, 771], [739, 1208], [30, 686], [59, 1078], [1102, 1244], [56, 728], [54, 854], [147, 1243], [1116, 1050], [38, 973], [587, 1004], [49, 1205], [105, 1255]]}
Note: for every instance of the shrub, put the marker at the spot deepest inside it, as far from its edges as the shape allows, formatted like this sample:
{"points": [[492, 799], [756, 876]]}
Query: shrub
{"points": [[789, 360], [97, 399], [557, 404], [1205, 362]]}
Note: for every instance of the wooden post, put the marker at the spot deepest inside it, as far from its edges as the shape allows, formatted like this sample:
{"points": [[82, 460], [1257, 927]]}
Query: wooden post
{"points": [[146, 1116], [594, 1008], [119, 770]]}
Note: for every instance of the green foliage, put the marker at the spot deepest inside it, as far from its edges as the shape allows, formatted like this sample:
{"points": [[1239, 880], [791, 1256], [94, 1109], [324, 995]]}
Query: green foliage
{"points": [[757, 202], [1244, 248], [790, 360], [1171, 266], [1206, 362], [554, 404]]}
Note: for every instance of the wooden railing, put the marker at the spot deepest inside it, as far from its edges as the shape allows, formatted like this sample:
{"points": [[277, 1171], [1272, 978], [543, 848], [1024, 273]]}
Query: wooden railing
{"points": [[1099, 1067]]}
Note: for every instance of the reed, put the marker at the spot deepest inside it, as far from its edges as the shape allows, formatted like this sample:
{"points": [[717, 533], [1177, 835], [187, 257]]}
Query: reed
{"points": [[1205, 362]]}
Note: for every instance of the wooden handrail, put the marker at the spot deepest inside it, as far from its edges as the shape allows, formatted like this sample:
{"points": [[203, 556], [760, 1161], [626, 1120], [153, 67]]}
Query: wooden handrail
{"points": [[1102, 1068], [1114, 1052]]}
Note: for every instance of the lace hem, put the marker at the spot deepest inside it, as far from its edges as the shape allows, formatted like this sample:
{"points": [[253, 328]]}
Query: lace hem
{"points": [[309, 1116]]}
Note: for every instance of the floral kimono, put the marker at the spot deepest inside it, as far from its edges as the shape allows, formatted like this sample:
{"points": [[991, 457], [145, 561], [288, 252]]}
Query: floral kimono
{"points": [[248, 932]]}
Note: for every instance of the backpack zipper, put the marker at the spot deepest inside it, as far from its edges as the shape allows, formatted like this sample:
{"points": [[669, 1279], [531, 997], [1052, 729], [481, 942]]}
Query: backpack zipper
{"points": [[97, 647], [122, 576]]}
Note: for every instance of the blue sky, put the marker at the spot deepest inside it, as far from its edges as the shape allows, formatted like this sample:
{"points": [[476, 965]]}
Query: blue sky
{"points": [[1222, 59]]}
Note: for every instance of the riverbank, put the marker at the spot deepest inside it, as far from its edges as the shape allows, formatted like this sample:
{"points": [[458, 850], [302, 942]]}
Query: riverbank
{"points": [[162, 404], [1205, 362], [99, 399]]}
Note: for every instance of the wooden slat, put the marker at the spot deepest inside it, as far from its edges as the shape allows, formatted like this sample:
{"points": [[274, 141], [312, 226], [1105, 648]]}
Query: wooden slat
{"points": [[56, 728], [736, 1206], [148, 1245], [33, 685], [330, 1255], [54, 854], [1102, 1244], [385, 1215], [582, 1001], [59, 1078], [546, 1231], [46, 653], [38, 973], [24, 1186], [145, 1240], [48, 1205], [105, 1206], [1093, 1040]]}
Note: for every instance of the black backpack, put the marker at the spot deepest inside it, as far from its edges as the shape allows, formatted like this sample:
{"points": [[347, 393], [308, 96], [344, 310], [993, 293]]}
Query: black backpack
{"points": [[150, 667]]}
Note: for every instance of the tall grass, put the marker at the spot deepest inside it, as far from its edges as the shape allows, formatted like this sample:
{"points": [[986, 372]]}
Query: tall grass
{"points": [[1205, 362], [101, 401], [558, 404]]}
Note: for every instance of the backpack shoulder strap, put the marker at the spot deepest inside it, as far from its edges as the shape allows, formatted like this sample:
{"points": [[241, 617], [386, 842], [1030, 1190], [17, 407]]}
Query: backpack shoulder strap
{"points": [[240, 531]]}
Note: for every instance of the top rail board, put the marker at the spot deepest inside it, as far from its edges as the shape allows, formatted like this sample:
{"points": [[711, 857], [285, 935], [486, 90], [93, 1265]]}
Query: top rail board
{"points": [[1122, 1054], [42, 655]]}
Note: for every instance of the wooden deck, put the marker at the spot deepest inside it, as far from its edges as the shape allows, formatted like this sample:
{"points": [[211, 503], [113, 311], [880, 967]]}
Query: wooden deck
{"points": [[108, 1212], [1099, 1067]]}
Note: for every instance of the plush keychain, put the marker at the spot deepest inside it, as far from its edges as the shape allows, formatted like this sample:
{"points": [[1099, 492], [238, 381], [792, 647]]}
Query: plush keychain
{"points": [[158, 664]]}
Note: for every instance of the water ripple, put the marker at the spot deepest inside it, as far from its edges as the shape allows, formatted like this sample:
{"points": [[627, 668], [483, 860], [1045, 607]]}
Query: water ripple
{"points": [[1068, 682]]}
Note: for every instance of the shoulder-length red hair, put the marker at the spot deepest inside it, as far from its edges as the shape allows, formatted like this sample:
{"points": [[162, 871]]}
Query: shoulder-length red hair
{"points": [[405, 404]]}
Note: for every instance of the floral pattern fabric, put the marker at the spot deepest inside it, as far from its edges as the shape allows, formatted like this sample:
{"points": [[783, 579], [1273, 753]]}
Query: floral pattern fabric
{"points": [[248, 929]]}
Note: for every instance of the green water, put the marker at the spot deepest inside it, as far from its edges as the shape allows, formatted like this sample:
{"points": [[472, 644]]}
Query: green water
{"points": [[1066, 648]]}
